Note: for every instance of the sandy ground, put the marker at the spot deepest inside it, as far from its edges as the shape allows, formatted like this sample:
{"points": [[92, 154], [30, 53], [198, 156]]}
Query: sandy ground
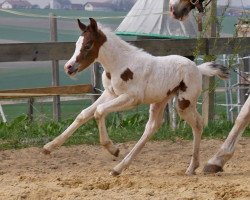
{"points": [[82, 172]]}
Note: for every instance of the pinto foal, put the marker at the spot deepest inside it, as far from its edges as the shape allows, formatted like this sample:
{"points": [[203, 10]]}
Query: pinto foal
{"points": [[132, 77]]}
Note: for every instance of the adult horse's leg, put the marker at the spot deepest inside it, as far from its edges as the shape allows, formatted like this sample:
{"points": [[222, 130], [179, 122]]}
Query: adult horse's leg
{"points": [[226, 151], [82, 118], [154, 122], [193, 118], [122, 102]]}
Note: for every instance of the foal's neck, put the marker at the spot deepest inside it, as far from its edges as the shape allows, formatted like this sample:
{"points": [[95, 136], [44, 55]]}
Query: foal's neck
{"points": [[115, 53]]}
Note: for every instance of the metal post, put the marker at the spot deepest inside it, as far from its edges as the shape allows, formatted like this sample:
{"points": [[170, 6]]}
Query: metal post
{"points": [[228, 92], [245, 69], [2, 114], [55, 69]]}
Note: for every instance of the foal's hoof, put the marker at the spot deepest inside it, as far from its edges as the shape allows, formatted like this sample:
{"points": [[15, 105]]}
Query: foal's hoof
{"points": [[45, 151], [210, 169], [114, 173], [190, 173], [116, 154]]}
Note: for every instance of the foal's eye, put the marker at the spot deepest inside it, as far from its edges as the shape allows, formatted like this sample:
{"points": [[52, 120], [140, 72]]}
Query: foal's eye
{"points": [[88, 46]]}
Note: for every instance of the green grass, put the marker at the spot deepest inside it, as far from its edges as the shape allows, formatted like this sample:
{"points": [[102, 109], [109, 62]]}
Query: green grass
{"points": [[228, 24], [21, 133], [43, 110], [29, 77], [27, 33], [115, 16]]}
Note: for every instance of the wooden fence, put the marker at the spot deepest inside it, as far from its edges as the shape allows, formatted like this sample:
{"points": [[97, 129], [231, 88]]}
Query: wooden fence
{"points": [[17, 52], [12, 52]]}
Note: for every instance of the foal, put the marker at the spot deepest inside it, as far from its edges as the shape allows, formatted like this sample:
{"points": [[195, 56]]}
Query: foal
{"points": [[132, 77]]}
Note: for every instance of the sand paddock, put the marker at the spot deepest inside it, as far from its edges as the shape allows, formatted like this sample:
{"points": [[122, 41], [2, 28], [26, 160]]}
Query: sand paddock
{"points": [[82, 172]]}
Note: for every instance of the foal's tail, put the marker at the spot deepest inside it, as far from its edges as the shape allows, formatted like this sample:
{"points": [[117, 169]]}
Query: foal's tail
{"points": [[212, 69]]}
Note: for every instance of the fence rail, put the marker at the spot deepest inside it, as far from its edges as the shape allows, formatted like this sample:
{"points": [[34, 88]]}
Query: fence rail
{"points": [[13, 52], [46, 91]]}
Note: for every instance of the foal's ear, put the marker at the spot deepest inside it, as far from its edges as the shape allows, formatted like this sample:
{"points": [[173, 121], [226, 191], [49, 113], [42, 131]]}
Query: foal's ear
{"points": [[81, 25], [93, 24]]}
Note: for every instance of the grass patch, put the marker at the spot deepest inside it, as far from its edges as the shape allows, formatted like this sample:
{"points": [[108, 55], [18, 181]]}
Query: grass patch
{"points": [[21, 133]]}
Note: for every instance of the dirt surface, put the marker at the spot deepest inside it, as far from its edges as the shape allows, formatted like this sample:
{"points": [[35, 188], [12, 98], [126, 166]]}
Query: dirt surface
{"points": [[82, 172]]}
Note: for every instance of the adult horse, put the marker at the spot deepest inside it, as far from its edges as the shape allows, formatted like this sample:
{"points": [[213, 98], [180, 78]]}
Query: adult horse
{"points": [[179, 10], [132, 77]]}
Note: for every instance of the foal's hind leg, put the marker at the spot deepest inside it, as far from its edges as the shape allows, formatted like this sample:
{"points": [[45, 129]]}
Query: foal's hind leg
{"points": [[82, 118], [188, 112], [154, 122]]}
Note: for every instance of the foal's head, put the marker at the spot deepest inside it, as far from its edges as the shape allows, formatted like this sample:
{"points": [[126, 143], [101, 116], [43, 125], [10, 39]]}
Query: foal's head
{"points": [[87, 47], [180, 9]]}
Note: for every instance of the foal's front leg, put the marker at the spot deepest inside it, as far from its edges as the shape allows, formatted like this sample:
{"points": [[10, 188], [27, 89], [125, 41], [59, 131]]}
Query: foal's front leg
{"points": [[122, 102], [216, 163], [82, 118]]}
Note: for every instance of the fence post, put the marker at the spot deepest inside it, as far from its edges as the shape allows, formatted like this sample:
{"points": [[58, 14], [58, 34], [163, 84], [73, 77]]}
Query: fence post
{"points": [[208, 83], [55, 69], [30, 108], [96, 81]]}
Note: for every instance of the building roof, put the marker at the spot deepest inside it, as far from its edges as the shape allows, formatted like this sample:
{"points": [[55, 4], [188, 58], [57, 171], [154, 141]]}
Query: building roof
{"points": [[19, 3], [76, 6], [100, 4]]}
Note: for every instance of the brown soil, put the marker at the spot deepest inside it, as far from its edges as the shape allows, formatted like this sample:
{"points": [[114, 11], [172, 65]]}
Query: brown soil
{"points": [[82, 172]]}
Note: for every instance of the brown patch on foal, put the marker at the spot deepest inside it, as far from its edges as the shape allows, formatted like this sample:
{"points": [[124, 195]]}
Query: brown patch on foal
{"points": [[182, 86], [108, 75], [183, 104], [127, 74]]}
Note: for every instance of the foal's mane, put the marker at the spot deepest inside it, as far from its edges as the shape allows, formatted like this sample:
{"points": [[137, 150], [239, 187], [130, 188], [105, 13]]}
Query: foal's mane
{"points": [[118, 41]]}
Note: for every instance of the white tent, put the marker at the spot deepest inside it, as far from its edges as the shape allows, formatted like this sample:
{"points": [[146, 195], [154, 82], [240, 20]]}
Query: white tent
{"points": [[151, 18]]}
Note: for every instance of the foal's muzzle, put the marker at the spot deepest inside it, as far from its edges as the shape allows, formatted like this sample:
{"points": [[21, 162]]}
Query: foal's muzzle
{"points": [[70, 69]]}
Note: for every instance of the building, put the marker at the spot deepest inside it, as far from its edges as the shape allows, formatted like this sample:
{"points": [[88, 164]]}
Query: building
{"points": [[13, 4], [54, 4], [98, 6], [76, 6]]}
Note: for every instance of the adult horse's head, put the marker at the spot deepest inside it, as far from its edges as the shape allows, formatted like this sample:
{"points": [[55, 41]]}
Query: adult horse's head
{"points": [[180, 9], [87, 47]]}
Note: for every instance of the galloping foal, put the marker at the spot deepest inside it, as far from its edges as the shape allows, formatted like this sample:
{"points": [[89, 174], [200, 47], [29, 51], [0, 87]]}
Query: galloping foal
{"points": [[132, 77]]}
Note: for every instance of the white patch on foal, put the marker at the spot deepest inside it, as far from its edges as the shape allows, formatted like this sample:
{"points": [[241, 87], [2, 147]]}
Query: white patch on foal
{"points": [[72, 60]]}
